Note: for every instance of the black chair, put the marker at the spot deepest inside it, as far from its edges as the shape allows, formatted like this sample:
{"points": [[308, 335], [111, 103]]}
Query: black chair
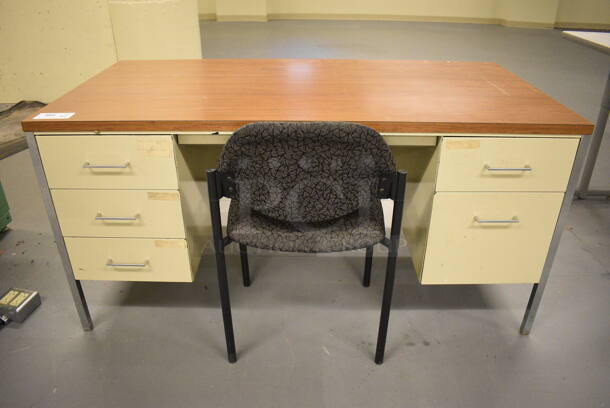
{"points": [[306, 187]]}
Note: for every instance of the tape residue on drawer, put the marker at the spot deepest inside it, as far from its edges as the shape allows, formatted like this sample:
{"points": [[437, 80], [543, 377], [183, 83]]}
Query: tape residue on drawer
{"points": [[463, 144], [170, 243], [154, 148], [165, 196]]}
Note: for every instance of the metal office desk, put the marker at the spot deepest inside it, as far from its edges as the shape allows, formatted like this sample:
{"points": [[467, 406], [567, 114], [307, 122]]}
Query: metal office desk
{"points": [[493, 162], [601, 42]]}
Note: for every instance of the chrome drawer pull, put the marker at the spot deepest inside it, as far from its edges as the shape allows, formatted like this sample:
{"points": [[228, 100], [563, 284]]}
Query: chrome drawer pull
{"points": [[88, 165], [514, 220], [100, 217], [524, 168], [111, 264]]}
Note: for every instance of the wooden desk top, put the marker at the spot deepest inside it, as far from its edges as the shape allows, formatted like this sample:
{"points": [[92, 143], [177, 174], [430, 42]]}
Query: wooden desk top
{"points": [[389, 96]]}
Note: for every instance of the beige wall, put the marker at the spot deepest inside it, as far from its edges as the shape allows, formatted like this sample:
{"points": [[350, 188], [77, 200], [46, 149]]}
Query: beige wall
{"points": [[444, 8], [524, 13], [586, 13], [235, 10], [145, 29], [207, 7], [50, 46]]}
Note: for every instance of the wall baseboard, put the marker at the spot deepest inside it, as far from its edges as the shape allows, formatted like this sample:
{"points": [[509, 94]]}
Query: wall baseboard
{"points": [[398, 17], [383, 17], [241, 18], [582, 26], [526, 24], [207, 16]]}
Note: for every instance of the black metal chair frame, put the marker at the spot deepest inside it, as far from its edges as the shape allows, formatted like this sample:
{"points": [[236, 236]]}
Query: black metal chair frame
{"points": [[392, 186]]}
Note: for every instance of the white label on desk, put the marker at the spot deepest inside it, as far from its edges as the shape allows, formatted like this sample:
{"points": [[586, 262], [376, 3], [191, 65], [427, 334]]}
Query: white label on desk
{"points": [[59, 115]]}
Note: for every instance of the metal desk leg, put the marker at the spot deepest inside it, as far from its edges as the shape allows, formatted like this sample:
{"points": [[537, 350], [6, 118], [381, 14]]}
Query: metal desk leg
{"points": [[596, 141], [538, 289], [75, 286]]}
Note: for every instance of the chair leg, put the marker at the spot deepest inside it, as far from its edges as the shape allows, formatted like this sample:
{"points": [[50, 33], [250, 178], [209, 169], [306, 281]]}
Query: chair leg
{"points": [[393, 243], [368, 262], [225, 304], [221, 267], [245, 270], [385, 307]]}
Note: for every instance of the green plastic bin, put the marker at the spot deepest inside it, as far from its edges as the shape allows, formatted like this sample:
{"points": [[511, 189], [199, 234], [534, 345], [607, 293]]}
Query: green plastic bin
{"points": [[5, 215]]}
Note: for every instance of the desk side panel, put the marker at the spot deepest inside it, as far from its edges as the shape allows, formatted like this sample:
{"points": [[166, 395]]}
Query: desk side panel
{"points": [[422, 167], [191, 164]]}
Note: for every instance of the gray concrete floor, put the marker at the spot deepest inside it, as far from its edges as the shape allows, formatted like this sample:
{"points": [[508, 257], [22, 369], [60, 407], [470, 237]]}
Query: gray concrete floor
{"points": [[306, 328]]}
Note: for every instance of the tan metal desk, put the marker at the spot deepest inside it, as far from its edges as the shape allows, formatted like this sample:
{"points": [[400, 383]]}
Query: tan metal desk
{"points": [[492, 161]]}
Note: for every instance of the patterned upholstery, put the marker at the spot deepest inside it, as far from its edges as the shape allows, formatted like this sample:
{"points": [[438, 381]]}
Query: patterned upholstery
{"points": [[306, 187], [351, 231]]}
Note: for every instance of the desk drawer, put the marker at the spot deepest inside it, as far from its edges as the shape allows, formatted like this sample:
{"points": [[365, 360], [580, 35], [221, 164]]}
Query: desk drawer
{"points": [[505, 164], [111, 162], [119, 213], [129, 259], [462, 249]]}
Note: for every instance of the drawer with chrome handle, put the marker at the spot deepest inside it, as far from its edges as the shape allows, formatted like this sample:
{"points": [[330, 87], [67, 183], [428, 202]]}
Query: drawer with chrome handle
{"points": [[100, 217], [119, 213], [513, 220], [505, 163], [489, 237], [129, 259], [88, 165], [112, 264], [117, 162], [524, 168]]}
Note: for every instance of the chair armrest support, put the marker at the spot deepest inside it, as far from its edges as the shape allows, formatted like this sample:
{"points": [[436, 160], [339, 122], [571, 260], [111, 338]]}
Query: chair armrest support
{"points": [[214, 195], [398, 195]]}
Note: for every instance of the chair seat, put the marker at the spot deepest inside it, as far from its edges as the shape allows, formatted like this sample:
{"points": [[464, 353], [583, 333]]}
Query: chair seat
{"points": [[352, 231]]}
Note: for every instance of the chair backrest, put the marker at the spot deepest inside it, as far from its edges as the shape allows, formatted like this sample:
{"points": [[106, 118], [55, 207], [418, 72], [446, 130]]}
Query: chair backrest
{"points": [[306, 171]]}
